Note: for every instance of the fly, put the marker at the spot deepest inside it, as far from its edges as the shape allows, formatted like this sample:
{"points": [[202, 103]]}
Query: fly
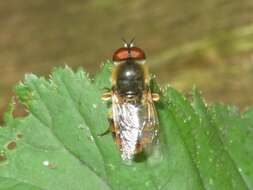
{"points": [[133, 118]]}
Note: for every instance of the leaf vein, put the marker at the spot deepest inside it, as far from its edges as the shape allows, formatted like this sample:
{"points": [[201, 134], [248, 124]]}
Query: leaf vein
{"points": [[66, 148]]}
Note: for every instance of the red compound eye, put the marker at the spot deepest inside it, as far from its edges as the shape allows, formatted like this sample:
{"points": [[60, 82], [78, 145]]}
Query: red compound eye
{"points": [[132, 52], [120, 54], [137, 53]]}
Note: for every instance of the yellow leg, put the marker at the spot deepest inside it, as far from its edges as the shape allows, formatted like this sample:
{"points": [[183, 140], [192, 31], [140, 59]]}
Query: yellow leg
{"points": [[155, 97], [106, 96]]}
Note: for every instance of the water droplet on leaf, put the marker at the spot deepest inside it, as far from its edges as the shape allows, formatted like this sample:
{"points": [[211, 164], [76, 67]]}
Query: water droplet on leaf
{"points": [[45, 162]]}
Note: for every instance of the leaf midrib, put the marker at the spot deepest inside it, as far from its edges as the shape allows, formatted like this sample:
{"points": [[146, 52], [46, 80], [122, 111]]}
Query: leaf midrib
{"points": [[189, 152]]}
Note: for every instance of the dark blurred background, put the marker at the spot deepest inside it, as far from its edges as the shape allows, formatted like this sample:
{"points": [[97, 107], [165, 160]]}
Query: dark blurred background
{"points": [[208, 43]]}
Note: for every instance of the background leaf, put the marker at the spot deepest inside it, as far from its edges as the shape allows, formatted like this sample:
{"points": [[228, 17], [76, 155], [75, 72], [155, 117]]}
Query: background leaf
{"points": [[57, 145]]}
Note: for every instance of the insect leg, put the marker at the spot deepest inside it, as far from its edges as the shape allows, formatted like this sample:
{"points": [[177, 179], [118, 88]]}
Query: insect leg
{"points": [[114, 129], [115, 135], [109, 130], [155, 97], [105, 133], [115, 132], [106, 96]]}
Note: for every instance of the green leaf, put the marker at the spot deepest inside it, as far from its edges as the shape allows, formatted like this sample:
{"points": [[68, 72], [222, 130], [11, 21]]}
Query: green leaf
{"points": [[57, 147]]}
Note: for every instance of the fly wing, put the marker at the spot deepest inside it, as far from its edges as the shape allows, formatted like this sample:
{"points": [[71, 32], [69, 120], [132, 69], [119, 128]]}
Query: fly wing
{"points": [[136, 122], [150, 122]]}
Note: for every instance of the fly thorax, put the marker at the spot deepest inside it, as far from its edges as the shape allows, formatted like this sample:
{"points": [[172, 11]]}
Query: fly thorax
{"points": [[130, 80]]}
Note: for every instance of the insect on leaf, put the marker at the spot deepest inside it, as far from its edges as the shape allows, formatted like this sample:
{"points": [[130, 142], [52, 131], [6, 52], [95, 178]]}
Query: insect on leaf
{"points": [[58, 147]]}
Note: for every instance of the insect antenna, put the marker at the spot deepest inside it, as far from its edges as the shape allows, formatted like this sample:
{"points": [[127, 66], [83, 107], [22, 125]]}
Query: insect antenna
{"points": [[125, 42], [128, 45], [132, 42]]}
